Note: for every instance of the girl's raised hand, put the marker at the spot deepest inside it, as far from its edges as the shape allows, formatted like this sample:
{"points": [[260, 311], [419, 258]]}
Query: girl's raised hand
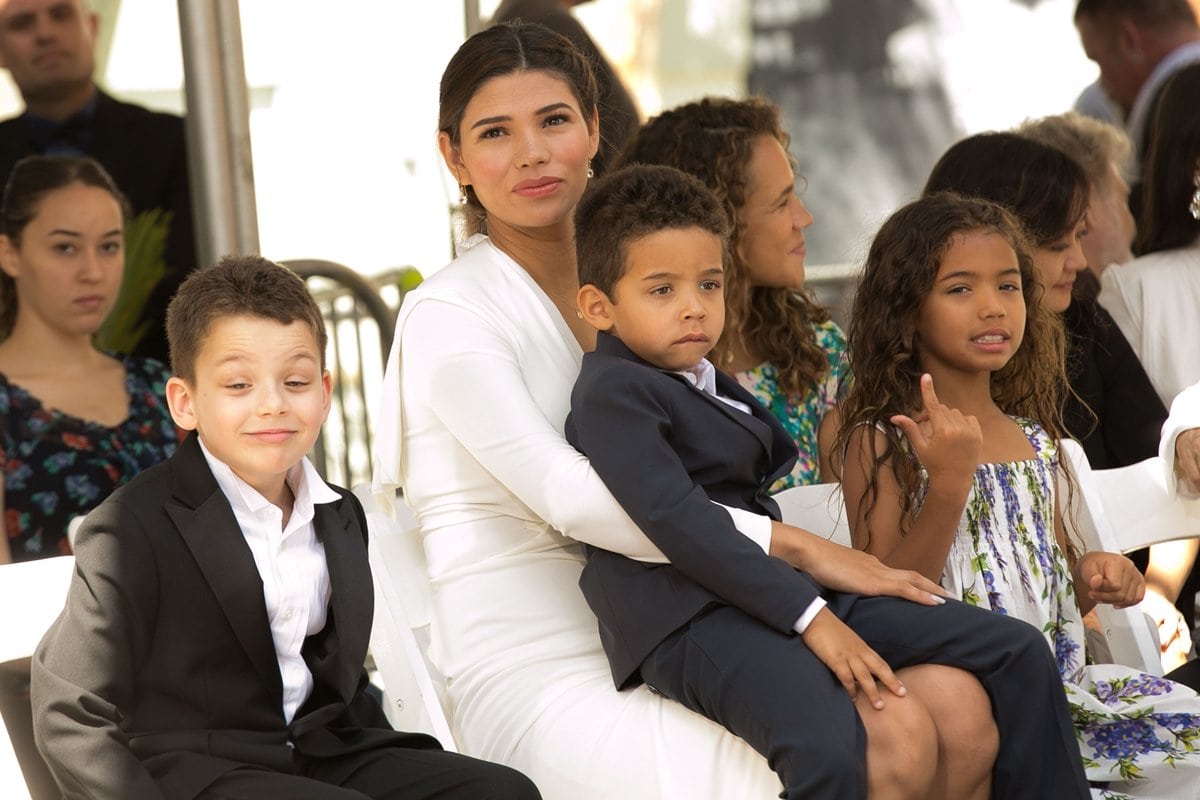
{"points": [[1111, 578], [947, 442]]}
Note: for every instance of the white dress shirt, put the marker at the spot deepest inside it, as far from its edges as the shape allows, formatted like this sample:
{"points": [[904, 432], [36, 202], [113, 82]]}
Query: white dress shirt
{"points": [[704, 377], [291, 562]]}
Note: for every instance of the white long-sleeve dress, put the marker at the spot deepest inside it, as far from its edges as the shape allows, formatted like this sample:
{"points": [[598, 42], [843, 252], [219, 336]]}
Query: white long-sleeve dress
{"points": [[476, 393]]}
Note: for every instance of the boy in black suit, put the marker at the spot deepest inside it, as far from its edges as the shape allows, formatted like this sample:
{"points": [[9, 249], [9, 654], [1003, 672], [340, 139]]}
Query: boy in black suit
{"points": [[728, 630], [214, 635]]}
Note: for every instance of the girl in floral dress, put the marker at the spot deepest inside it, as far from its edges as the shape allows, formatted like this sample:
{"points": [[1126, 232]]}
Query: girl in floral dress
{"points": [[958, 482]]}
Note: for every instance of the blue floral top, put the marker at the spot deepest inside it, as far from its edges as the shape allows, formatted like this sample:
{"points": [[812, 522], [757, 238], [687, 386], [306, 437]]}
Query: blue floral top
{"points": [[802, 419], [57, 466]]}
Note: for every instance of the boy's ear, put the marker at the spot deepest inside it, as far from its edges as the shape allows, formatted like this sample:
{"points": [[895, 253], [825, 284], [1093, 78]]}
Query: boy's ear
{"points": [[327, 393], [595, 307], [179, 401]]}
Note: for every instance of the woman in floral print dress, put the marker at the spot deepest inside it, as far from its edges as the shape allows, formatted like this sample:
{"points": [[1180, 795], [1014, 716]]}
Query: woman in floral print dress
{"points": [[778, 342], [75, 422], [959, 483]]}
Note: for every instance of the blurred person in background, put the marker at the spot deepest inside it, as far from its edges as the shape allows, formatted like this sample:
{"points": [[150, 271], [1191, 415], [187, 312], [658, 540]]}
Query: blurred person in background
{"points": [[48, 47]]}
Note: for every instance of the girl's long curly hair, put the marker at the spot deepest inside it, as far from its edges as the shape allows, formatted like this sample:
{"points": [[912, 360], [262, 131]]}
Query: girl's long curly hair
{"points": [[884, 343], [713, 139]]}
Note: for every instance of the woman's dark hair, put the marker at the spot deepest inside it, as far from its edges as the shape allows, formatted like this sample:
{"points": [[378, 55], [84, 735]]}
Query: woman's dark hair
{"points": [[714, 139], [1043, 186], [31, 180], [503, 49], [1172, 166]]}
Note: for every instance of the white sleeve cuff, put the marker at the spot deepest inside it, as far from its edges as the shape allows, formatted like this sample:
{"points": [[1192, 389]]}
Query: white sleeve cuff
{"points": [[809, 613]]}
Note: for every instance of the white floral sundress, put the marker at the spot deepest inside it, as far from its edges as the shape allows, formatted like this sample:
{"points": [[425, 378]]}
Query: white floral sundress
{"points": [[1139, 735]]}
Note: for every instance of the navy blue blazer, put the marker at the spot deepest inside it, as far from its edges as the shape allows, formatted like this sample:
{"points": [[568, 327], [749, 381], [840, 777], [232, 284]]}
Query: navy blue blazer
{"points": [[665, 450]]}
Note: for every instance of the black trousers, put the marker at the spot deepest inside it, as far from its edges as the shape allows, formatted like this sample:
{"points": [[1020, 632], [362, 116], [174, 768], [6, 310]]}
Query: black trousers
{"points": [[390, 773], [769, 689]]}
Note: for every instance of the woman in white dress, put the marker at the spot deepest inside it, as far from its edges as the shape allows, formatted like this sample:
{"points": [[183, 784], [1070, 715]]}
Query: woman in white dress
{"points": [[476, 392]]}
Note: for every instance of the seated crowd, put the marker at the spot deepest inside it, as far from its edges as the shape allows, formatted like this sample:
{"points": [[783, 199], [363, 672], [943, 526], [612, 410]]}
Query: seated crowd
{"points": [[618, 609]]}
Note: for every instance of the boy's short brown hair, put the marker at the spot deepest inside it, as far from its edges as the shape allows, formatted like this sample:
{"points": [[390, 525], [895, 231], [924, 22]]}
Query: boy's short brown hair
{"points": [[236, 286]]}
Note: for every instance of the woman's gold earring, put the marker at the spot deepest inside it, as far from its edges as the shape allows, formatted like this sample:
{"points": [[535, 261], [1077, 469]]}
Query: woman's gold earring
{"points": [[591, 173], [462, 195]]}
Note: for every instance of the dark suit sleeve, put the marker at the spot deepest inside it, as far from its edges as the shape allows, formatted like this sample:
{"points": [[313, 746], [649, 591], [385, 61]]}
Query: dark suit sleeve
{"points": [[622, 424], [1133, 414], [83, 669]]}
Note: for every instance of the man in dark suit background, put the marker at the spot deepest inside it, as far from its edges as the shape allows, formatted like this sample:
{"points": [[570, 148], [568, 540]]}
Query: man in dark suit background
{"points": [[48, 46]]}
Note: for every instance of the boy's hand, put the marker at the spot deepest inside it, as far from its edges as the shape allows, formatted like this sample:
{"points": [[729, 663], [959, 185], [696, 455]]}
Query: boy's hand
{"points": [[1111, 578], [947, 442], [849, 658]]}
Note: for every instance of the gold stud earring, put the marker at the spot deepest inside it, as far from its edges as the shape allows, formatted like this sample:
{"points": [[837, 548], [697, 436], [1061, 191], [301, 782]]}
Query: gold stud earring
{"points": [[462, 195], [591, 173]]}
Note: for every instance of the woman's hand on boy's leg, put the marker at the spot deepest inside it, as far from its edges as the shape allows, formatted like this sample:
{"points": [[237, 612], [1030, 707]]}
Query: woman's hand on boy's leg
{"points": [[947, 442], [844, 569], [850, 659]]}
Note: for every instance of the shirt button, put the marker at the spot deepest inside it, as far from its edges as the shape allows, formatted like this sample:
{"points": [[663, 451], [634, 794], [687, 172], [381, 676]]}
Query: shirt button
{"points": [[287, 615]]}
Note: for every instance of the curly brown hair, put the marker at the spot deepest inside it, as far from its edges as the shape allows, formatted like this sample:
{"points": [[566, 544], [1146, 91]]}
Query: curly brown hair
{"points": [[713, 139], [631, 203], [899, 273]]}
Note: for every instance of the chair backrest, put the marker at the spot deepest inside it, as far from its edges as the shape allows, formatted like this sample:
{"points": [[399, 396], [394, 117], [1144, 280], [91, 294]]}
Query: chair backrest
{"points": [[32, 594], [412, 686], [359, 314], [1141, 510], [1089, 511], [818, 509]]}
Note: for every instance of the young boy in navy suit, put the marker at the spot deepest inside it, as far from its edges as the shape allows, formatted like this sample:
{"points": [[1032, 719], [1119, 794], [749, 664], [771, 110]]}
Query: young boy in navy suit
{"points": [[726, 629], [213, 640]]}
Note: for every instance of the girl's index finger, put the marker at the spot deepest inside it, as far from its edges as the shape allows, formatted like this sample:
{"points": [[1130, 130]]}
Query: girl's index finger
{"points": [[928, 395]]}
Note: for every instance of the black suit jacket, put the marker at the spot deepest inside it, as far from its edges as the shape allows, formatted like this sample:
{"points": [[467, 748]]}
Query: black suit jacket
{"points": [[665, 450], [1123, 417], [160, 675], [144, 153]]}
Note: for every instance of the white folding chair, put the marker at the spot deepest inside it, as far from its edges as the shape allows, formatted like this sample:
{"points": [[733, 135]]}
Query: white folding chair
{"points": [[1140, 509], [33, 593], [818, 509], [1097, 512], [400, 629]]}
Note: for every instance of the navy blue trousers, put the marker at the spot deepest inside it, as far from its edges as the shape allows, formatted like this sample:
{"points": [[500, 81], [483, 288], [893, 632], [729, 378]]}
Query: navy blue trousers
{"points": [[769, 689]]}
